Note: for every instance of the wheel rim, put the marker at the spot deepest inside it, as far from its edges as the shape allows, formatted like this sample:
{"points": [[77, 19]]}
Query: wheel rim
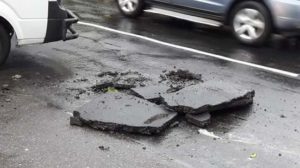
{"points": [[128, 5], [249, 24]]}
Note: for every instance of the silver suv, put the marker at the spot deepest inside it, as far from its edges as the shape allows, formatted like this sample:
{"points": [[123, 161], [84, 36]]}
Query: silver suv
{"points": [[252, 21]]}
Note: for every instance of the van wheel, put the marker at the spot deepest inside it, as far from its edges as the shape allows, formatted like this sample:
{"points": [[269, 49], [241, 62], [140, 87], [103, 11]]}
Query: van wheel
{"points": [[131, 8], [4, 44], [251, 23]]}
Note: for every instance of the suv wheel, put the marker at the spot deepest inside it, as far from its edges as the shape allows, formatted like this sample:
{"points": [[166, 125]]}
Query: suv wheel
{"points": [[4, 44], [251, 23], [131, 8]]}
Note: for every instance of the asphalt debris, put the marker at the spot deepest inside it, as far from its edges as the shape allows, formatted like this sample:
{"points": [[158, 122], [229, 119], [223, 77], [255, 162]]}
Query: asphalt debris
{"points": [[208, 97], [142, 116], [119, 80], [180, 78], [107, 86], [183, 75], [79, 91], [5, 87], [7, 100], [200, 120], [104, 148], [80, 80], [108, 73], [282, 116], [16, 77]]}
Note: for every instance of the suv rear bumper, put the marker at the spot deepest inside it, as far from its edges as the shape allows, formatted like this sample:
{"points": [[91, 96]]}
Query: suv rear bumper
{"points": [[60, 22]]}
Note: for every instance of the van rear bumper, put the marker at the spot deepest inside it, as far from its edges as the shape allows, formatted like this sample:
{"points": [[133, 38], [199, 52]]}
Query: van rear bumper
{"points": [[60, 21]]}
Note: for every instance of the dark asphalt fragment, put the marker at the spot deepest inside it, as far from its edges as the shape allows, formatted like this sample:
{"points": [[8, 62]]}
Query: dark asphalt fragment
{"points": [[75, 121], [108, 73], [79, 91], [200, 120], [103, 87], [103, 148], [122, 112], [183, 75], [282, 116], [208, 97], [5, 87], [80, 80]]}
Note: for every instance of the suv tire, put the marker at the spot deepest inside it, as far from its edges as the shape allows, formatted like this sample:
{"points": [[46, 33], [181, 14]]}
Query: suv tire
{"points": [[131, 8], [251, 23]]}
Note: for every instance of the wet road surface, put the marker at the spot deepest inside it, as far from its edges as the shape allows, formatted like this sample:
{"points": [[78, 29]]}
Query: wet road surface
{"points": [[279, 53], [34, 112]]}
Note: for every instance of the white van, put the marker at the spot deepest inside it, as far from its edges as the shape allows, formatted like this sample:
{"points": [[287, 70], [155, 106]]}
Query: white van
{"points": [[34, 21]]}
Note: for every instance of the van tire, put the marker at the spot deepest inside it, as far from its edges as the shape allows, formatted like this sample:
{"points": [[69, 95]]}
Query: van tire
{"points": [[4, 44], [137, 11]]}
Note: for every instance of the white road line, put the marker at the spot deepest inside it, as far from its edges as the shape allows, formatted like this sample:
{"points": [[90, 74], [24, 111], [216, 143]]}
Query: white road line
{"points": [[269, 69]]}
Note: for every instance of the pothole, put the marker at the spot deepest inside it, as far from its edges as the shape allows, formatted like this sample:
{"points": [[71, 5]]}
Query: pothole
{"points": [[126, 103]]}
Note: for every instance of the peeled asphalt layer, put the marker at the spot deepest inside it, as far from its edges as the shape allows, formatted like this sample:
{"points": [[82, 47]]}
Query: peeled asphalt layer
{"points": [[208, 97], [56, 79], [122, 112]]}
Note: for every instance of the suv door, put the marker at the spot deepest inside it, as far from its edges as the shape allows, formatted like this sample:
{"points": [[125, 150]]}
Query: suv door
{"points": [[212, 6]]}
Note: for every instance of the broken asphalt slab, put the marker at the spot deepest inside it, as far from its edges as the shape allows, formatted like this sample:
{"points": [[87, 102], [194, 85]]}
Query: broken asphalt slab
{"points": [[208, 97], [200, 120], [122, 112], [171, 81]]}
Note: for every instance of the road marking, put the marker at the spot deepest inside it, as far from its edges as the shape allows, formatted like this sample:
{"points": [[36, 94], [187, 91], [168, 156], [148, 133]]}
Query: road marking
{"points": [[207, 133], [261, 67]]}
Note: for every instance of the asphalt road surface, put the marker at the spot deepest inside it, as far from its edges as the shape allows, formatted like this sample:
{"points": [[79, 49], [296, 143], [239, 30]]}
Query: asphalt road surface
{"points": [[35, 109]]}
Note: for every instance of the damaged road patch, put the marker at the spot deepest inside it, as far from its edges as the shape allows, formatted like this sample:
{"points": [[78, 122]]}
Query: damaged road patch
{"points": [[122, 112], [208, 97]]}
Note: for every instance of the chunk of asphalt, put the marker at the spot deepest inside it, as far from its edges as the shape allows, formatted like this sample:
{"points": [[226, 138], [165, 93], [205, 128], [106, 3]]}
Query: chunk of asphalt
{"points": [[103, 86], [181, 78], [122, 112], [200, 120], [183, 75], [129, 78], [108, 73], [151, 93], [207, 97]]}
